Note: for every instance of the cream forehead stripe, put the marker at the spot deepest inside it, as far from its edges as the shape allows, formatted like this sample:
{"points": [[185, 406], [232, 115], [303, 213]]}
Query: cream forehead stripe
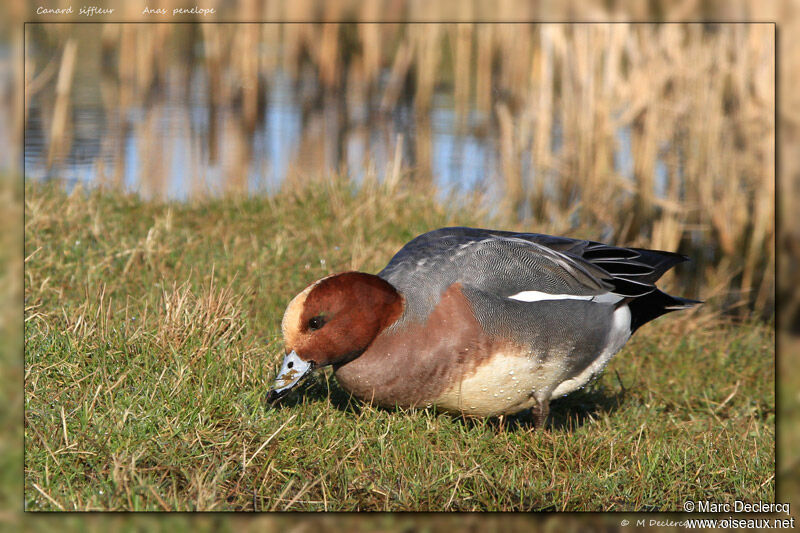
{"points": [[290, 325]]}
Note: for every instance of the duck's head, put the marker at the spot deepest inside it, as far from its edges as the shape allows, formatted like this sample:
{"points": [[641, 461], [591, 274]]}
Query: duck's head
{"points": [[331, 322]]}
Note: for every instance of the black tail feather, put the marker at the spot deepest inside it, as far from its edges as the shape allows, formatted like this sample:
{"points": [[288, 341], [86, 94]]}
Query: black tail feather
{"points": [[633, 271], [660, 261], [653, 305]]}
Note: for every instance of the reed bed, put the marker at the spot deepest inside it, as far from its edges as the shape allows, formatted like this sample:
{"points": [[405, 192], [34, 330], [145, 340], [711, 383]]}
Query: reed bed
{"points": [[642, 134]]}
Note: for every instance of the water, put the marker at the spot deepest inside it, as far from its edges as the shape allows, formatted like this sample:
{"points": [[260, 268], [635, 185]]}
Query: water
{"points": [[168, 139], [172, 142]]}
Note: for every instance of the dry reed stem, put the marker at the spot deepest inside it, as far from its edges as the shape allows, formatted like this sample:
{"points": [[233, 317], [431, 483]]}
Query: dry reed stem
{"points": [[462, 70], [59, 139], [370, 35], [401, 63], [427, 45]]}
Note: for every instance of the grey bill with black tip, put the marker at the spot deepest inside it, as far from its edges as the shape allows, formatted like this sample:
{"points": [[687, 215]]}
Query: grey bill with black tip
{"points": [[292, 372]]}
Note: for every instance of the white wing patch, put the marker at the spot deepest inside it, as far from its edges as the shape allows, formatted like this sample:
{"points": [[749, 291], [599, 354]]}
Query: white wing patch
{"points": [[538, 296]]}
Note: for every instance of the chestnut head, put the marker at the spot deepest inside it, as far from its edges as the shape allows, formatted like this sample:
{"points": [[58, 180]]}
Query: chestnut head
{"points": [[331, 322]]}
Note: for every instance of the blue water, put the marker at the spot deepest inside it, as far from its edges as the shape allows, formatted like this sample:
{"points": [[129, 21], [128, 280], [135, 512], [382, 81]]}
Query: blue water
{"points": [[171, 145], [181, 129]]}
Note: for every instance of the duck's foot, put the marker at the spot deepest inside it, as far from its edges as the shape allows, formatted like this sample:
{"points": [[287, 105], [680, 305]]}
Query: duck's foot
{"points": [[540, 412]]}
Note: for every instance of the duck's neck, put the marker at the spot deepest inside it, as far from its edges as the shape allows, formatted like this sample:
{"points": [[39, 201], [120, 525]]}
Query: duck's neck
{"points": [[415, 361]]}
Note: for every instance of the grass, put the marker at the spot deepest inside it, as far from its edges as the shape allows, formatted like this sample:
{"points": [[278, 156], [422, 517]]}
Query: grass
{"points": [[152, 335]]}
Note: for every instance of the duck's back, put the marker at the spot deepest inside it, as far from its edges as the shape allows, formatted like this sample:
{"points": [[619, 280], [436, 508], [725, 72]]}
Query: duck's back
{"points": [[526, 265]]}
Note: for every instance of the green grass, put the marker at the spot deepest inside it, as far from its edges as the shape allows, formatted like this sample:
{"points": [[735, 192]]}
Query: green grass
{"points": [[152, 336]]}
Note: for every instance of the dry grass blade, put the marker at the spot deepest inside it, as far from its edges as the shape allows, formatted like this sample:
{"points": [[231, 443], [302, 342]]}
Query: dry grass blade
{"points": [[269, 439], [49, 498], [311, 484], [215, 317]]}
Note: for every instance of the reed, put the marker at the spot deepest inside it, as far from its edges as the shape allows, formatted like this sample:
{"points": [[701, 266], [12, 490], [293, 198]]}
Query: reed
{"points": [[59, 134], [463, 36]]}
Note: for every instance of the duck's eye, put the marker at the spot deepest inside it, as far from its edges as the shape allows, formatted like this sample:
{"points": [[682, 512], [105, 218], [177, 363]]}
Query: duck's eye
{"points": [[316, 322]]}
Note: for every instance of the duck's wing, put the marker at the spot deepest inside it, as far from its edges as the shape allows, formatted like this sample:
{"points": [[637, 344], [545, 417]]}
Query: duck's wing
{"points": [[525, 266]]}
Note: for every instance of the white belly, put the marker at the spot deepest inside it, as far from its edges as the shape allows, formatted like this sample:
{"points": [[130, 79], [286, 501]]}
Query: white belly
{"points": [[505, 384], [511, 382]]}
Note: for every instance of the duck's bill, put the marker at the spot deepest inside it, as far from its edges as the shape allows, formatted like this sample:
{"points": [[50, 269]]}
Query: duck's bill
{"points": [[290, 376]]}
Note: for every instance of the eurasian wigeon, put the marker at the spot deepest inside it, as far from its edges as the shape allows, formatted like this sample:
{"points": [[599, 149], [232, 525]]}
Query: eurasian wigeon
{"points": [[477, 322]]}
